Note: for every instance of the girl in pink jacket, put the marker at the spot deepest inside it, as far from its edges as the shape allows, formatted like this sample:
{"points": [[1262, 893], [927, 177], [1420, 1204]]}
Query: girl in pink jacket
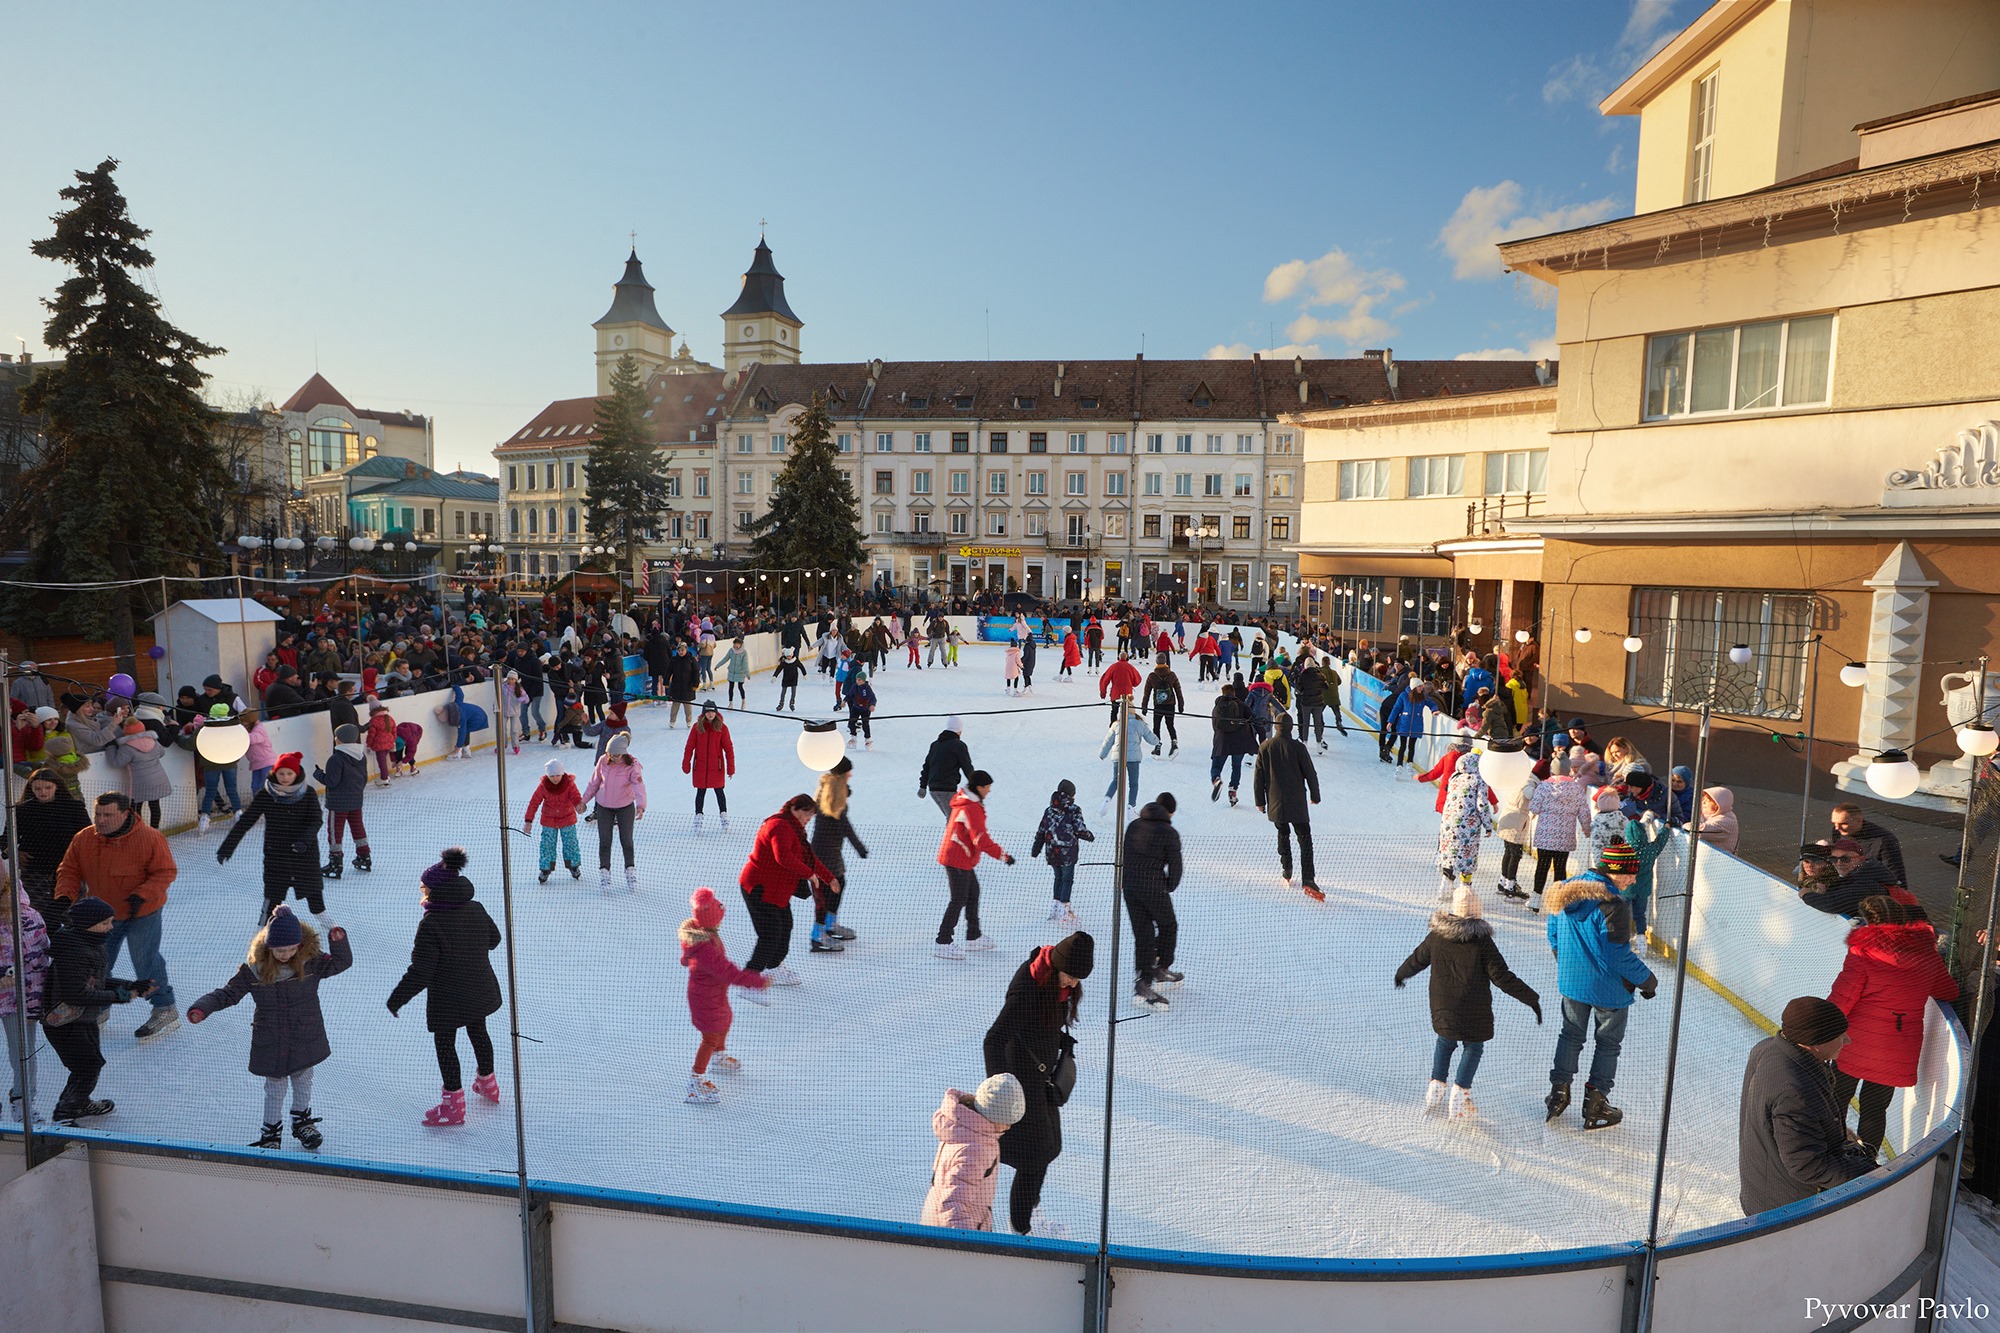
{"points": [[710, 975], [619, 784], [968, 1129], [1013, 667]]}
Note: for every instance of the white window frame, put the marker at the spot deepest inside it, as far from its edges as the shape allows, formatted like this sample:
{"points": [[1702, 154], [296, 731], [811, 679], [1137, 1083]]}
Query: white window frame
{"points": [[1447, 469], [1079, 442], [1076, 483], [921, 442], [1529, 458], [1114, 484], [1701, 136], [1364, 479], [885, 442], [1667, 398]]}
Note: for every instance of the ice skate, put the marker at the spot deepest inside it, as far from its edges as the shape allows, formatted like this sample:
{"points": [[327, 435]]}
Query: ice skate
{"points": [[364, 862], [1461, 1104], [69, 1115], [1232, 796], [1156, 752], [827, 944], [1215, 790], [450, 1110], [487, 1086], [1174, 748], [1557, 1101], [273, 1135], [575, 870], [604, 880], [1434, 1096], [1070, 918], [1105, 808], [631, 879], [723, 819], [760, 995], [783, 976], [543, 878], [951, 951], [1598, 1112], [1166, 976], [201, 826], [305, 1128], [1041, 1224], [1313, 891], [697, 821], [722, 1062], [159, 1024], [1055, 912], [980, 945], [868, 744], [332, 868], [1145, 997], [701, 1093], [1508, 888]]}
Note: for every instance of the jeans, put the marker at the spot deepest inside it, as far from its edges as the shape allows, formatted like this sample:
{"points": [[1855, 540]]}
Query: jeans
{"points": [[570, 854], [143, 934], [1312, 721], [532, 710], [1131, 782], [1468, 1060], [1610, 1027], [1304, 827], [1639, 906], [943, 800], [1155, 928], [209, 778], [1235, 762], [1065, 881], [258, 777]]}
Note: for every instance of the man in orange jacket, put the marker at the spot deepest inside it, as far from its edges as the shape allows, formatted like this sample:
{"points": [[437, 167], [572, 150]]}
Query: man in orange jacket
{"points": [[126, 862]]}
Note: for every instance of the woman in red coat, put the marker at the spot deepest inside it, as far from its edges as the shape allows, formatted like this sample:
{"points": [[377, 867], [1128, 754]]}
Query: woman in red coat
{"points": [[1892, 968], [781, 867], [1072, 655], [710, 757]]}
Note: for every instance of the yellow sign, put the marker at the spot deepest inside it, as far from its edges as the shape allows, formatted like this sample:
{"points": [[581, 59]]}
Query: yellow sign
{"points": [[987, 552]]}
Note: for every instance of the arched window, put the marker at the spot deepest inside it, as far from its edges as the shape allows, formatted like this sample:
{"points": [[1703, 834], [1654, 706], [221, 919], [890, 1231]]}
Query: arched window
{"points": [[513, 522], [534, 516], [331, 444], [551, 529], [570, 528]]}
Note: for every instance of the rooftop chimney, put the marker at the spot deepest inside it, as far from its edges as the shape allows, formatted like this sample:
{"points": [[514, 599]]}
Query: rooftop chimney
{"points": [[1542, 375]]}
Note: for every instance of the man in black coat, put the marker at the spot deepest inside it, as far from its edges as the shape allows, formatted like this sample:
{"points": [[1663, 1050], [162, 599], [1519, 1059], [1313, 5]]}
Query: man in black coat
{"points": [[1152, 872], [1792, 1139], [1877, 843], [284, 698], [945, 763], [1834, 880], [1282, 783], [340, 710]]}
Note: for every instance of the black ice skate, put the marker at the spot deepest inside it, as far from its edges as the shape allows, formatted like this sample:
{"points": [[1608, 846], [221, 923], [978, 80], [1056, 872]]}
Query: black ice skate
{"points": [[332, 868], [272, 1137], [1598, 1113], [1557, 1101], [364, 861], [305, 1128]]}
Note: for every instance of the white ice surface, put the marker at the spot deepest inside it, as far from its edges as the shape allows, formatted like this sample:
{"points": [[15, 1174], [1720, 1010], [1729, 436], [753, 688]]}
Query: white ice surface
{"points": [[1275, 1109]]}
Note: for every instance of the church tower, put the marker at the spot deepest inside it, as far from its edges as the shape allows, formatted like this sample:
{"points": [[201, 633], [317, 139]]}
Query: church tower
{"points": [[632, 326], [760, 327]]}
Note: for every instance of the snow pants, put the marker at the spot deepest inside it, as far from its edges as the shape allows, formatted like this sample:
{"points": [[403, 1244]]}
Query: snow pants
{"points": [[76, 1045], [571, 854]]}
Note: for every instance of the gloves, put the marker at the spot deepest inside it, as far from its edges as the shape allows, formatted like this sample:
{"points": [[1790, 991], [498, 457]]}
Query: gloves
{"points": [[863, 851], [196, 1015], [121, 994], [922, 793], [392, 1010], [1537, 1007], [1009, 858], [1651, 988]]}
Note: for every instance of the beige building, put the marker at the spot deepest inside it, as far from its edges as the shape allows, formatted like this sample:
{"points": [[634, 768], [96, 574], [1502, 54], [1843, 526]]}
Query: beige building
{"points": [[324, 435]]}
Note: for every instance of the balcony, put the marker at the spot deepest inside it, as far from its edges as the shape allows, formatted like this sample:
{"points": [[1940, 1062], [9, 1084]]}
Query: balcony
{"points": [[932, 538], [1082, 542]]}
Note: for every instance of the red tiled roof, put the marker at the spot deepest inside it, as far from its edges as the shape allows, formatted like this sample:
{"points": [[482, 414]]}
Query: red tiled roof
{"points": [[316, 392], [683, 410]]}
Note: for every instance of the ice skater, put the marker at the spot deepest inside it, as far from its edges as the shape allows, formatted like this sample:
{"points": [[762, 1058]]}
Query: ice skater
{"points": [[1137, 736], [1163, 693], [710, 975], [964, 1173], [1152, 872], [78, 987], [860, 707], [710, 760], [619, 784], [1012, 675], [831, 831], [1072, 656], [788, 671], [1285, 786], [1028, 651], [288, 1035], [781, 867], [965, 841], [380, 739], [1029, 1039], [1061, 829], [345, 778], [735, 666], [557, 800], [1465, 964], [1466, 820], [292, 818], [1590, 930], [450, 960]]}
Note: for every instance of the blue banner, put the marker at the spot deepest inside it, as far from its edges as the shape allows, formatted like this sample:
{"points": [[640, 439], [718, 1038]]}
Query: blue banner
{"points": [[1364, 696], [1000, 629], [635, 677]]}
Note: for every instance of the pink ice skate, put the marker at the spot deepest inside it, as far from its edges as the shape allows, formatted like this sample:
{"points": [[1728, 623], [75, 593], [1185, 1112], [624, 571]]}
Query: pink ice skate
{"points": [[450, 1111], [487, 1086]]}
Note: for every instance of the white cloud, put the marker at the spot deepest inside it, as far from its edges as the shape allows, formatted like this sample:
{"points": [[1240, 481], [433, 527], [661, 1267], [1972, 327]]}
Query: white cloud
{"points": [[1538, 349], [1648, 27], [1490, 214], [1337, 299], [1242, 351]]}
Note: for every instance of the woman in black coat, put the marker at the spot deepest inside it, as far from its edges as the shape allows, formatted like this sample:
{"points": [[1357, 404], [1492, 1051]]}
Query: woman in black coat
{"points": [[292, 818], [1465, 964], [449, 959], [1232, 740], [45, 819], [1026, 1040]]}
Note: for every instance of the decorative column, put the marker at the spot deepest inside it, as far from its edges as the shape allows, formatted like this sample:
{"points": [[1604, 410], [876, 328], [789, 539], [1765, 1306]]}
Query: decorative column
{"points": [[1896, 626]]}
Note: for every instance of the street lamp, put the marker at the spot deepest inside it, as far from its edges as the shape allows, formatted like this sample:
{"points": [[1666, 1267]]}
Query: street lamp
{"points": [[1854, 675]]}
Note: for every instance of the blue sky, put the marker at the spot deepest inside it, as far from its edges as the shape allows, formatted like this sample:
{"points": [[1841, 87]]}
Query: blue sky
{"points": [[430, 202]]}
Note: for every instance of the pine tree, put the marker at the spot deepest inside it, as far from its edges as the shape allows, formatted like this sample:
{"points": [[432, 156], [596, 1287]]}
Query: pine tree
{"points": [[122, 488], [626, 490], [815, 520]]}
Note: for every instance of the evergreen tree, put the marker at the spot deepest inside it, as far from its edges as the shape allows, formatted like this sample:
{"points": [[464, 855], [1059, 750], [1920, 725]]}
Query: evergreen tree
{"points": [[122, 488], [815, 520], [626, 490]]}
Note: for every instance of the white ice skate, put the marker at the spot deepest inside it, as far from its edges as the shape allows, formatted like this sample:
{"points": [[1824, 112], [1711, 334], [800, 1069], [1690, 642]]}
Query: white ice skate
{"points": [[631, 879], [722, 1062], [980, 945], [1055, 912], [1105, 808], [724, 818], [604, 881], [1461, 1104], [1069, 916], [1434, 1096], [1041, 1224], [697, 821], [950, 951], [201, 824], [760, 995], [783, 976], [701, 1092]]}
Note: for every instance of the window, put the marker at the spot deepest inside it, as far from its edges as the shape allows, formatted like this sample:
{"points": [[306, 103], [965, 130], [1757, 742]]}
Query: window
{"points": [[533, 471], [569, 521], [1183, 444], [777, 444], [1038, 483], [883, 520], [330, 445], [1281, 485], [920, 522], [1521, 472], [1281, 527], [1150, 525], [1281, 444], [1751, 368], [1243, 485], [920, 482], [534, 522], [919, 402], [996, 442], [430, 524], [513, 481], [1685, 636], [1183, 483], [513, 522], [1364, 479], [885, 483], [885, 442], [1211, 484], [1239, 583], [1443, 474], [569, 476], [1023, 403], [1154, 481], [1114, 525], [1114, 484], [701, 527], [1701, 138], [921, 442], [960, 527], [1239, 528], [996, 523], [1038, 441], [1246, 444], [996, 483], [961, 483], [1420, 619], [1074, 483], [743, 519], [1038, 525], [1087, 403], [549, 476], [1215, 444], [1077, 441], [459, 524], [701, 484], [1278, 586], [1156, 444], [746, 483], [1114, 443], [674, 487], [743, 445], [963, 402], [961, 442], [846, 444]]}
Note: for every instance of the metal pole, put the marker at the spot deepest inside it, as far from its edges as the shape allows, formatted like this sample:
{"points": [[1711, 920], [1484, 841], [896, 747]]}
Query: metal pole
{"points": [[1979, 1005], [24, 1059], [1100, 1296], [1674, 1031], [1812, 721], [1958, 898], [528, 1264], [242, 633]]}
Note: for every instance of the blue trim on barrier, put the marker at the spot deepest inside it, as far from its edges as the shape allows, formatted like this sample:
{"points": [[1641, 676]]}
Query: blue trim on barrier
{"points": [[498, 1180], [1500, 1265]]}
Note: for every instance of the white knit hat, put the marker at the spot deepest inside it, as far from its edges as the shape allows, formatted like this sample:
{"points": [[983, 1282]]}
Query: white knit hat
{"points": [[957, 724], [554, 768], [1001, 1100], [1465, 901]]}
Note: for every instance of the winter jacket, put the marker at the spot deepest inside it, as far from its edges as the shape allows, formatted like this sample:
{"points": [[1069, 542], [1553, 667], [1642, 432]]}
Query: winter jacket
{"points": [[1883, 847], [1152, 852], [1590, 929], [291, 835], [1232, 732], [780, 860], [1511, 819], [34, 956], [1261, 704], [1606, 827], [710, 975], [1890, 971], [345, 777], [61, 758], [1310, 687], [1119, 679], [262, 753], [380, 735], [1721, 831], [92, 734], [471, 717], [45, 829], [78, 974], [830, 836], [1060, 831], [945, 763], [860, 696], [131, 869], [1163, 687], [1467, 818], [965, 835], [1477, 679], [1649, 847], [1024, 1040], [735, 665], [1465, 964], [617, 785], [710, 755], [288, 1033], [1407, 718], [557, 804], [1441, 772], [1284, 780], [1843, 896], [449, 959], [1791, 1135], [1072, 656], [1137, 736], [965, 1170], [1562, 812], [1680, 804], [682, 673], [139, 755]]}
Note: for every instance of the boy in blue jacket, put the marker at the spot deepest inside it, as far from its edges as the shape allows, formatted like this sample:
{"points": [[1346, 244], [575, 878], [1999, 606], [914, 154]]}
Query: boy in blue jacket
{"points": [[1590, 930]]}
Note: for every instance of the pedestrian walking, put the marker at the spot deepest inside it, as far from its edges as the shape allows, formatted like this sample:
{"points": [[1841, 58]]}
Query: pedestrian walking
{"points": [[450, 960]]}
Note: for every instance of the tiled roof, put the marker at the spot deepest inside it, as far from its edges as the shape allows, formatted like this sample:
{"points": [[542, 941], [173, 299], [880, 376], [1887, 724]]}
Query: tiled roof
{"points": [[683, 410], [411, 420], [316, 392]]}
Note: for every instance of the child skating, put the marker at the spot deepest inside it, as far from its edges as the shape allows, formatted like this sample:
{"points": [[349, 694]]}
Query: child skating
{"points": [[1013, 669], [557, 800], [965, 1171], [290, 810], [710, 760], [860, 708], [449, 959], [1465, 964], [288, 1035], [710, 975], [409, 739], [345, 778], [1061, 830], [380, 739], [1467, 818], [831, 831]]}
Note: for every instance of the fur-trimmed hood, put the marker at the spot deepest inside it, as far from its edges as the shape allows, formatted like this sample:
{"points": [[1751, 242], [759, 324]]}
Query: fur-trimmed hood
{"points": [[1584, 888], [1460, 928], [692, 935]]}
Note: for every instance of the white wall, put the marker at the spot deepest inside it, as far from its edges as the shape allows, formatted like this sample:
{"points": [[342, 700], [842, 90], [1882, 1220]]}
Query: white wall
{"points": [[48, 1246]]}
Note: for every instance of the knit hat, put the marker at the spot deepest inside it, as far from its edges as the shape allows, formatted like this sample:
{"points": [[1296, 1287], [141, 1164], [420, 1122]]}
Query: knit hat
{"points": [[283, 930], [47, 715], [1165, 800], [1606, 799], [1462, 742], [376, 705], [708, 908], [450, 862], [1559, 765], [89, 911], [1575, 724], [845, 765], [293, 760], [553, 769], [346, 734], [133, 726], [1001, 1100], [1639, 781], [981, 778], [1465, 901], [1809, 1020], [1066, 788], [1618, 858], [955, 723], [219, 713], [619, 744], [1075, 954]]}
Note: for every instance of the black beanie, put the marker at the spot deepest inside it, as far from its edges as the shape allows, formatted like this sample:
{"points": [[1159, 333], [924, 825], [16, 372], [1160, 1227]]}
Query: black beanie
{"points": [[1165, 800], [1075, 954], [89, 911], [1809, 1020]]}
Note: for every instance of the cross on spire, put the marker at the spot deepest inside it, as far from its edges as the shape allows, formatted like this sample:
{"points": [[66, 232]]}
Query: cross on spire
{"points": [[635, 238]]}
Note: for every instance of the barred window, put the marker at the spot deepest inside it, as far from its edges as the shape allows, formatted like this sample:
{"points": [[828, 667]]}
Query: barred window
{"points": [[1685, 636]]}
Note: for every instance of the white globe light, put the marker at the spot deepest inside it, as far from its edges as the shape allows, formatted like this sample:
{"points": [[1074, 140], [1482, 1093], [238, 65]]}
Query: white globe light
{"points": [[1408, 604], [221, 743], [1582, 635], [820, 746], [1433, 606], [1854, 675], [1892, 776], [1740, 654], [495, 548], [1385, 596], [249, 543], [1475, 627], [1506, 768], [1633, 643], [1976, 738], [409, 546], [1520, 636]]}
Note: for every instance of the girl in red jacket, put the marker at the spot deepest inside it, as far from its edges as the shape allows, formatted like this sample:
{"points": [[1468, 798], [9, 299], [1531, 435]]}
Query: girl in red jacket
{"points": [[1892, 968], [710, 757], [965, 840], [381, 738], [558, 799], [781, 867], [710, 975]]}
